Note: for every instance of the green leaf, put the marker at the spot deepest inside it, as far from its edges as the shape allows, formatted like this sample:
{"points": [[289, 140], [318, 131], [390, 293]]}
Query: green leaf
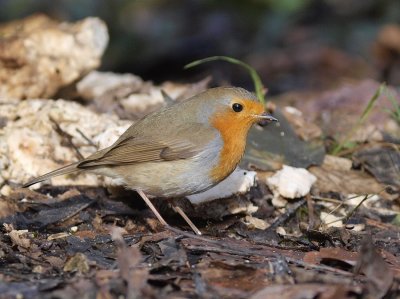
{"points": [[394, 112]]}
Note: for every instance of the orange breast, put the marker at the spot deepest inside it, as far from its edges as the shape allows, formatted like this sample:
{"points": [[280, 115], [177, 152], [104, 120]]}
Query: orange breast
{"points": [[233, 133]]}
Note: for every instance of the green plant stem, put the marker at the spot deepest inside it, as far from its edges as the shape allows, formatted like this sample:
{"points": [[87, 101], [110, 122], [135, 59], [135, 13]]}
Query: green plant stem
{"points": [[258, 86], [361, 119]]}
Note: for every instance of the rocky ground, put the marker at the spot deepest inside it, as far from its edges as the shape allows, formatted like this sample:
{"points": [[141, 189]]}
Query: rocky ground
{"points": [[313, 212]]}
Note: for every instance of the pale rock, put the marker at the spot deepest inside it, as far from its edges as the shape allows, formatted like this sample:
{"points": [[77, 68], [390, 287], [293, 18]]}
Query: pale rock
{"points": [[372, 202], [337, 163], [237, 208], [38, 55], [281, 231], [368, 133], [239, 181], [96, 84], [29, 145], [181, 91], [110, 135], [5, 190], [151, 99], [294, 111], [291, 182], [279, 202], [38, 269], [144, 103], [355, 200], [129, 96], [331, 220], [305, 129], [254, 222], [356, 227]]}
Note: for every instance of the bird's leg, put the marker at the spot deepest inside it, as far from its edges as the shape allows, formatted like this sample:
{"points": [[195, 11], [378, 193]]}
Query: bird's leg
{"points": [[176, 209], [187, 219], [152, 207]]}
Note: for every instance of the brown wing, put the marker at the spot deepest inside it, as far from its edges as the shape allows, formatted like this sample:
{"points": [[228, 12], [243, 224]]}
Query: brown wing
{"points": [[160, 148]]}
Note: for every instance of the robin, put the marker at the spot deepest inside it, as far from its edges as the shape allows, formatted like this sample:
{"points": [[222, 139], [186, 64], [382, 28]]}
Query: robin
{"points": [[180, 150]]}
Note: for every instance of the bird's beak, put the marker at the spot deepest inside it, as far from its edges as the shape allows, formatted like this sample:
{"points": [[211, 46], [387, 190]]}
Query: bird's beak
{"points": [[265, 119]]}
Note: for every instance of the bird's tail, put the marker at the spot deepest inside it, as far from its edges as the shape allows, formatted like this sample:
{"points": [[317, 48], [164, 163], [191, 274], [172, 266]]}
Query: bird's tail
{"points": [[63, 170]]}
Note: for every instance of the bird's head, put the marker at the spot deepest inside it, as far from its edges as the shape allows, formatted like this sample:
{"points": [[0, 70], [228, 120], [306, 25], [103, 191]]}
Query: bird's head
{"points": [[231, 108]]}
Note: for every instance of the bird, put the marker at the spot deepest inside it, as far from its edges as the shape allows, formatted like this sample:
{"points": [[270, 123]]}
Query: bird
{"points": [[183, 149]]}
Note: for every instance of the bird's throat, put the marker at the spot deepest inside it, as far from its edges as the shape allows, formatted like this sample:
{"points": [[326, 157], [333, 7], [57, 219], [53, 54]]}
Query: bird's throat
{"points": [[233, 135]]}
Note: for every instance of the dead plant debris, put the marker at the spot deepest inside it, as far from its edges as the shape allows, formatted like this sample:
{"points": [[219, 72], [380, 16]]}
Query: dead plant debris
{"points": [[87, 243]]}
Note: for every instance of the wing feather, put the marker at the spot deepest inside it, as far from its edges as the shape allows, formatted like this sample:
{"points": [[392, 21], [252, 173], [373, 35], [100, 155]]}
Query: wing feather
{"points": [[141, 149]]}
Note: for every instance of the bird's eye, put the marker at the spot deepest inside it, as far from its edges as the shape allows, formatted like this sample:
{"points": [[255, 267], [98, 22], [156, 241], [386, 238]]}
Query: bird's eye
{"points": [[237, 107]]}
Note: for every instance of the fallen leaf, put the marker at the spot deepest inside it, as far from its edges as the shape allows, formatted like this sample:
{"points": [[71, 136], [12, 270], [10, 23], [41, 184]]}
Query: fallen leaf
{"points": [[302, 291], [18, 237], [78, 263], [239, 279], [344, 181], [383, 162], [55, 261], [376, 270], [318, 257]]}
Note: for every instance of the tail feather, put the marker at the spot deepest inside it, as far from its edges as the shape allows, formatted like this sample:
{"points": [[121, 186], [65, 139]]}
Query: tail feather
{"points": [[63, 170]]}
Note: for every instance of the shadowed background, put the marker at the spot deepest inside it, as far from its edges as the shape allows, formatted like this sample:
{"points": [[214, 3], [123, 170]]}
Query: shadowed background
{"points": [[294, 44]]}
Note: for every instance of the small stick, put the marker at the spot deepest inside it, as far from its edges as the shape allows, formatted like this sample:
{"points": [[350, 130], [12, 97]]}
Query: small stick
{"points": [[327, 199], [187, 219], [67, 137], [347, 217], [287, 215], [86, 138], [310, 207]]}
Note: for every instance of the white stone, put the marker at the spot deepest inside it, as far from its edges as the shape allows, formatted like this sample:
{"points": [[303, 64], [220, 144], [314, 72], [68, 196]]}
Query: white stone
{"points": [[293, 110], [331, 220], [47, 55], [95, 84], [254, 222], [110, 135], [291, 182], [144, 103], [355, 200], [29, 145]]}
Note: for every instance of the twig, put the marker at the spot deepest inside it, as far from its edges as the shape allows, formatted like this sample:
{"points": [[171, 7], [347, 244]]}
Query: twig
{"points": [[67, 137], [86, 138], [327, 199], [310, 207], [340, 204], [347, 217], [330, 213], [256, 251], [287, 215]]}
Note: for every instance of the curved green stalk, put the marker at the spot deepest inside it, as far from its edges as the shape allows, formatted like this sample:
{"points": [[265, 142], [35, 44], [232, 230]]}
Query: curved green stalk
{"points": [[258, 86]]}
